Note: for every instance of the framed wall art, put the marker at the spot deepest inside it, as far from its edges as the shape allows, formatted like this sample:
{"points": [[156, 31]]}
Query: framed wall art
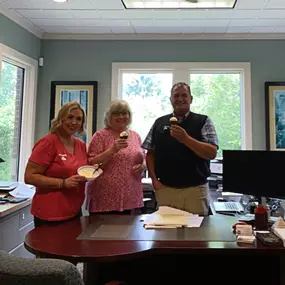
{"points": [[85, 93], [275, 115]]}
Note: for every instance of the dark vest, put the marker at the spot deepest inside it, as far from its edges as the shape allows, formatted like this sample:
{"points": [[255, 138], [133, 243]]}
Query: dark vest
{"points": [[175, 164]]}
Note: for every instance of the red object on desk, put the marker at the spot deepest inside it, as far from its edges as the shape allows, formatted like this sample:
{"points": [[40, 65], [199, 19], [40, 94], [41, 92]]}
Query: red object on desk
{"points": [[261, 218], [239, 223]]}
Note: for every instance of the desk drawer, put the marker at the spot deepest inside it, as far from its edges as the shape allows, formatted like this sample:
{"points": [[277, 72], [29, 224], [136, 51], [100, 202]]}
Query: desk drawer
{"points": [[24, 230], [9, 233], [25, 216]]}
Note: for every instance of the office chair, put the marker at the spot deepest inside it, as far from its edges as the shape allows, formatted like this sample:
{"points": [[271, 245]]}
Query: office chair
{"points": [[25, 271]]}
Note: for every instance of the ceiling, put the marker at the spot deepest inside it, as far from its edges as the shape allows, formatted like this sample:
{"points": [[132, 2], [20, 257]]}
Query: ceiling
{"points": [[176, 4], [108, 19]]}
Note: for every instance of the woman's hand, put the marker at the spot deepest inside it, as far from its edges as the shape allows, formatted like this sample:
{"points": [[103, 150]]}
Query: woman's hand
{"points": [[119, 144], [157, 185], [73, 181], [138, 168]]}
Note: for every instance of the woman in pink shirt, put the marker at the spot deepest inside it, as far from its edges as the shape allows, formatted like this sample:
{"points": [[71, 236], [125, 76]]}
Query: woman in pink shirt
{"points": [[53, 165], [119, 188]]}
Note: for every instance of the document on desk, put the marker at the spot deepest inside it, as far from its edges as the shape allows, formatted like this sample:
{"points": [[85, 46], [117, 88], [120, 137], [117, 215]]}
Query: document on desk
{"points": [[194, 221], [166, 220], [165, 210], [172, 221], [23, 191], [8, 186], [279, 229], [280, 233], [167, 217]]}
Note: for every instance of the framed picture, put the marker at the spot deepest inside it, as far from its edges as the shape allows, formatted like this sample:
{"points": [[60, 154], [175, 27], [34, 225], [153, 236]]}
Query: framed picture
{"points": [[275, 115], [85, 93]]}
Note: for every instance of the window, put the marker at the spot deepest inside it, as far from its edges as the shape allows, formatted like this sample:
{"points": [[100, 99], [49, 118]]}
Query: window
{"points": [[218, 94], [220, 90], [17, 108], [11, 95], [148, 96]]}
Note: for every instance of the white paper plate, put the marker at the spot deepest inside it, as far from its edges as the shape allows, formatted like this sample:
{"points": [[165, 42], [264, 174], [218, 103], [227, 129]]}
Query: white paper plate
{"points": [[87, 172]]}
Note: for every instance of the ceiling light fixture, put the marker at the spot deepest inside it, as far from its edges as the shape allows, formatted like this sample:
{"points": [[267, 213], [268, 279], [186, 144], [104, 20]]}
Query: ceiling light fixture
{"points": [[179, 4], [59, 1]]}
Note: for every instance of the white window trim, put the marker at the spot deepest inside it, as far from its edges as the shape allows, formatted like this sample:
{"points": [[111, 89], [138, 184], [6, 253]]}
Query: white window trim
{"points": [[29, 102], [181, 71]]}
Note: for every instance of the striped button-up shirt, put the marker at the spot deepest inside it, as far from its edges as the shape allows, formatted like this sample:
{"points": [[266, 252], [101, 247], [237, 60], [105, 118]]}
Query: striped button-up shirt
{"points": [[208, 134]]}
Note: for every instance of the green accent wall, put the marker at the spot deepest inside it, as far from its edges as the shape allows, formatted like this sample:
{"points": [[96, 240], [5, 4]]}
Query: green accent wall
{"points": [[92, 60], [18, 38]]}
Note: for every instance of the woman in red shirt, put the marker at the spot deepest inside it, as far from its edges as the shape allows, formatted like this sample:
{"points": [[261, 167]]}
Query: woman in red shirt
{"points": [[53, 165]]}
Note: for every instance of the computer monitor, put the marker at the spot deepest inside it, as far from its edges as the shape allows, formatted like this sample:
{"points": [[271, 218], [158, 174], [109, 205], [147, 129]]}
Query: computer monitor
{"points": [[260, 173]]}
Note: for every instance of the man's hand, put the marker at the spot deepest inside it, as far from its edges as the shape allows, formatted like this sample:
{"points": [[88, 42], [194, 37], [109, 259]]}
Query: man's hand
{"points": [[178, 133], [157, 185]]}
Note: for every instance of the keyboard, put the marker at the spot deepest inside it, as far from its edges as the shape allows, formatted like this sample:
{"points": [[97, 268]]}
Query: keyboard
{"points": [[228, 207]]}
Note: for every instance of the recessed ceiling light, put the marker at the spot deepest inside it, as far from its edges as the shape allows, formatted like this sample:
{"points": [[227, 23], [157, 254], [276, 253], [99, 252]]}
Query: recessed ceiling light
{"points": [[60, 1], [179, 4]]}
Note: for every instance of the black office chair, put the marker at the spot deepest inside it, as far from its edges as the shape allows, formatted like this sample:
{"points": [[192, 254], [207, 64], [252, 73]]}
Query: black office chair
{"points": [[27, 271]]}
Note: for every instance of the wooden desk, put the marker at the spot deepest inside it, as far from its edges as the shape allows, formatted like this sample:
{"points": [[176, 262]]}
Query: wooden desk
{"points": [[166, 261]]}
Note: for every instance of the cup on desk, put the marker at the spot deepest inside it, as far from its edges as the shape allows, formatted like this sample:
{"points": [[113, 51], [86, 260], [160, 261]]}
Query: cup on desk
{"points": [[261, 218]]}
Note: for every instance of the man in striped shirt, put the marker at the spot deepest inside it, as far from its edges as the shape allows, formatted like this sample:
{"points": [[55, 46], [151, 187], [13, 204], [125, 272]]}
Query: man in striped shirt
{"points": [[178, 156]]}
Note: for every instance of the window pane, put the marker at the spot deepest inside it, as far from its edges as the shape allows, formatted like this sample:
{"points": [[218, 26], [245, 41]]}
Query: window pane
{"points": [[217, 95], [11, 93], [148, 95]]}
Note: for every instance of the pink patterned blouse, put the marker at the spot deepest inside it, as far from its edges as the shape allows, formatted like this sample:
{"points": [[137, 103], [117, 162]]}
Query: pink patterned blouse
{"points": [[119, 188]]}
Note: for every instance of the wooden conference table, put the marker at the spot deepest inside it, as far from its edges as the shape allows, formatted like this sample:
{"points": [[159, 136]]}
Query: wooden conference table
{"points": [[118, 247]]}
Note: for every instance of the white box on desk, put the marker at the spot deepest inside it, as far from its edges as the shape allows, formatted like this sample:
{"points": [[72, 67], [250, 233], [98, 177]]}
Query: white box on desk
{"points": [[232, 196]]}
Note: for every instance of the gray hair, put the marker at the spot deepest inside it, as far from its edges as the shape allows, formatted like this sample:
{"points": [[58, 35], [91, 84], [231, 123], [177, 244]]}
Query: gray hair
{"points": [[114, 107]]}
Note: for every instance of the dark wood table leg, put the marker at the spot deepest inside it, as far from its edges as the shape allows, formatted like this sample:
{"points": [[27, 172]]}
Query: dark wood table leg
{"points": [[282, 271], [105, 272], [90, 274]]}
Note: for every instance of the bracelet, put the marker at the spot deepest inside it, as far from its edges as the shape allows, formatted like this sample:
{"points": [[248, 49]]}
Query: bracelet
{"points": [[60, 183], [63, 183]]}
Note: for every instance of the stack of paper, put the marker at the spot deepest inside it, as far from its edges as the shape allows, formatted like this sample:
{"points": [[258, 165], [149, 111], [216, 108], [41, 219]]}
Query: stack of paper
{"points": [[167, 217], [23, 191], [279, 229], [8, 186]]}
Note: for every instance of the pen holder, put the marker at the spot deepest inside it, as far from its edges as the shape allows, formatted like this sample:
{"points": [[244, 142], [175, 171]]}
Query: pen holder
{"points": [[261, 218]]}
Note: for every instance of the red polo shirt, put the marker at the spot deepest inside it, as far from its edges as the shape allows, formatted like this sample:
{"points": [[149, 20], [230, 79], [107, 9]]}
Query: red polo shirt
{"points": [[58, 204]]}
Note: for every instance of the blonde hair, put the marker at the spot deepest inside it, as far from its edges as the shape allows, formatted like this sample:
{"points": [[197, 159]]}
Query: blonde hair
{"points": [[64, 112], [114, 107]]}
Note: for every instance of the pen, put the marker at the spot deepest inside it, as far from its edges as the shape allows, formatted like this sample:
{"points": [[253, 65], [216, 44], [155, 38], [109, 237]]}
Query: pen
{"points": [[228, 214]]}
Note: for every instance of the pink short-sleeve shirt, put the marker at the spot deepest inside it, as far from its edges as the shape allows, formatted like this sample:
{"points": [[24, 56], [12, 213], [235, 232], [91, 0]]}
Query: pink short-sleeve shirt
{"points": [[119, 188], [58, 204]]}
